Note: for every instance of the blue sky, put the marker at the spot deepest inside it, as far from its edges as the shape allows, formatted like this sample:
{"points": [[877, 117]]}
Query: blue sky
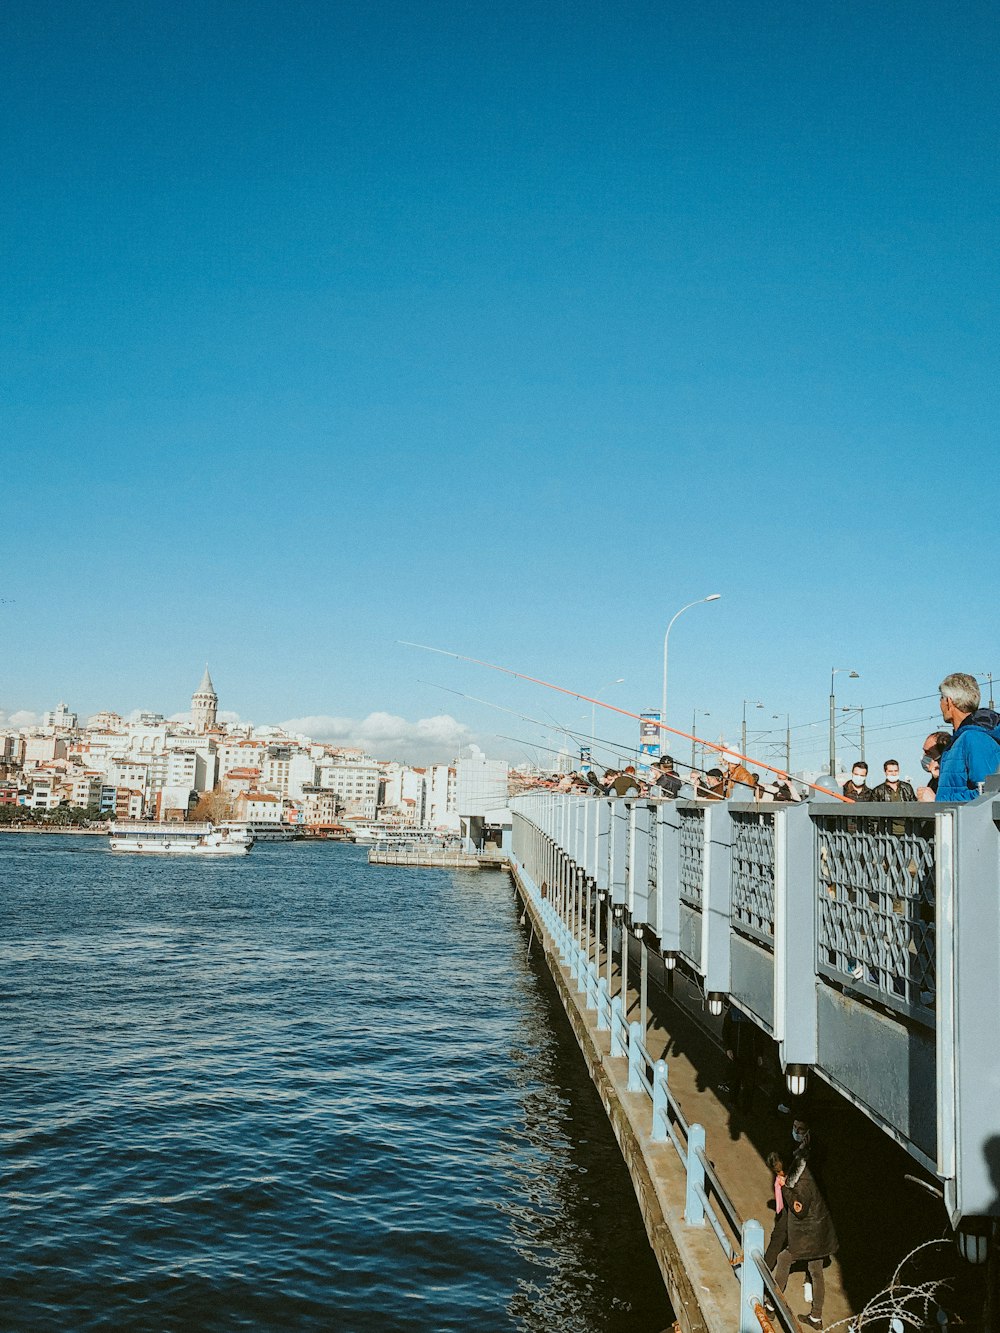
{"points": [[507, 330]]}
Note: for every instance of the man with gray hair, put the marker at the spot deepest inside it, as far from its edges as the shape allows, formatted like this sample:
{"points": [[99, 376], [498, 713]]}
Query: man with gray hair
{"points": [[974, 752]]}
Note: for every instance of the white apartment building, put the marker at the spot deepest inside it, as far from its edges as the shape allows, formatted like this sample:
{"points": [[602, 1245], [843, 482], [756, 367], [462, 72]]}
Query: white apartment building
{"points": [[240, 754], [480, 783], [60, 719], [105, 721], [125, 772], [99, 746], [43, 749], [404, 795], [259, 806], [356, 784], [43, 795], [84, 789], [481, 799], [441, 811], [319, 806], [286, 773]]}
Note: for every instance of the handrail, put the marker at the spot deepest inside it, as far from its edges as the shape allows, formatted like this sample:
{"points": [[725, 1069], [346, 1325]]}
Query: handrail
{"points": [[718, 1189], [707, 1198]]}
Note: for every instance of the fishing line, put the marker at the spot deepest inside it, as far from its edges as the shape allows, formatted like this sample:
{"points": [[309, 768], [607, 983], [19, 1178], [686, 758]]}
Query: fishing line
{"points": [[624, 712]]}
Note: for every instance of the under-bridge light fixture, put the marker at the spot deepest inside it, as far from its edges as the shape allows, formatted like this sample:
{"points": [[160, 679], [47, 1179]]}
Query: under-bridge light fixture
{"points": [[670, 959], [972, 1237], [716, 1003], [797, 1078]]}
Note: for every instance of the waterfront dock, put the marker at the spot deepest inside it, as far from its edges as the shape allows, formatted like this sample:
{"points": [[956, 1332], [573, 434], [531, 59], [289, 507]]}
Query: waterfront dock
{"points": [[446, 858]]}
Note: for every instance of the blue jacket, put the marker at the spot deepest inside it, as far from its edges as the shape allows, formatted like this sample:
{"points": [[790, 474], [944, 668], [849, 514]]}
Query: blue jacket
{"points": [[974, 753]]}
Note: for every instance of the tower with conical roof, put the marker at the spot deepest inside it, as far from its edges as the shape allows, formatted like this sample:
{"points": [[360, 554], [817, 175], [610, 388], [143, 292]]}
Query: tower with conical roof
{"points": [[204, 704]]}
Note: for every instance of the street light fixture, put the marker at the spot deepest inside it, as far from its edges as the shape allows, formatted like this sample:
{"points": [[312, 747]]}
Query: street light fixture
{"points": [[851, 675], [712, 597]]}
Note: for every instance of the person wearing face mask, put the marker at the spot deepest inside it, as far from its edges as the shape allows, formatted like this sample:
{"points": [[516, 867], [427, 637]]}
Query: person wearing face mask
{"points": [[893, 788], [934, 747], [857, 788], [811, 1239]]}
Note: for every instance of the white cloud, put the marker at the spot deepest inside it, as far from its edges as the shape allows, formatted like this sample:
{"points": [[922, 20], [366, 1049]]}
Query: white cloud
{"points": [[386, 736], [21, 717]]}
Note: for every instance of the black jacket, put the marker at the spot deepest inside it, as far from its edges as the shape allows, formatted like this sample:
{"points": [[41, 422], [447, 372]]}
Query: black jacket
{"points": [[811, 1234], [883, 792]]}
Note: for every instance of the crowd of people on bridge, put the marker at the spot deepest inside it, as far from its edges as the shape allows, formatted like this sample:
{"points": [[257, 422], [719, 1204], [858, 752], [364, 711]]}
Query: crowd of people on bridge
{"points": [[957, 762]]}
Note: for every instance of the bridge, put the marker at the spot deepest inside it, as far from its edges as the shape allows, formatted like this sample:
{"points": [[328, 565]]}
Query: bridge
{"points": [[864, 939]]}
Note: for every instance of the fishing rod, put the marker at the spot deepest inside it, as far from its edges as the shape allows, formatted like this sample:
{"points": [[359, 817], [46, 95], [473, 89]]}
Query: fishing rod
{"points": [[581, 739], [685, 782], [537, 722], [624, 712]]}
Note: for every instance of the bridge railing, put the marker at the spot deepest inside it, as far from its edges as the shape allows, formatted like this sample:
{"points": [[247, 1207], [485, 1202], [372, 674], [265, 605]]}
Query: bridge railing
{"points": [[865, 940], [707, 1201]]}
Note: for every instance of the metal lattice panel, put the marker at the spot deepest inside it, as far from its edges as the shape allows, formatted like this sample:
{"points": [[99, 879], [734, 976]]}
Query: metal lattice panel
{"points": [[753, 876], [653, 850], [876, 908], [692, 851]]}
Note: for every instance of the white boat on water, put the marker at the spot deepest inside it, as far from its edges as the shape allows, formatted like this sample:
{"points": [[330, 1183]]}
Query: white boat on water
{"points": [[151, 838], [260, 830], [399, 835]]}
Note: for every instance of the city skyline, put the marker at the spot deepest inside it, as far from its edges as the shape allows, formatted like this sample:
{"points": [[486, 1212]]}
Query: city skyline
{"points": [[548, 744]]}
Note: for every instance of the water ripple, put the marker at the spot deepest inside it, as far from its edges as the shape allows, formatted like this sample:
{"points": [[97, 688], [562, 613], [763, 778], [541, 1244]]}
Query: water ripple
{"points": [[295, 1093]]}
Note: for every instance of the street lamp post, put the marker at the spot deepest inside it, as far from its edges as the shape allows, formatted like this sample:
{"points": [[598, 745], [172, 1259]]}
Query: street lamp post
{"points": [[861, 719], [712, 597], [743, 729], [593, 714], [694, 730], [851, 675]]}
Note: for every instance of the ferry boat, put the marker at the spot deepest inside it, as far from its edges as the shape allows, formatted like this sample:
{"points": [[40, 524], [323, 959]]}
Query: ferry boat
{"points": [[262, 831], [151, 838], [400, 835]]}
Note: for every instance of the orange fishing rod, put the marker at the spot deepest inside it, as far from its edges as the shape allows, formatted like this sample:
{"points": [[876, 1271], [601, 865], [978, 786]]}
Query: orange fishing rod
{"points": [[625, 712]]}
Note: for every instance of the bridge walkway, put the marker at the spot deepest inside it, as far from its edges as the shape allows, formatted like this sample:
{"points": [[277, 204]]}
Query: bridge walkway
{"points": [[880, 1216]]}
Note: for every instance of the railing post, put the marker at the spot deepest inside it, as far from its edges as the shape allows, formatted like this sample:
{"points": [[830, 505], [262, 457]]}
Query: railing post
{"points": [[795, 912], [694, 1206], [716, 923], [668, 877], [616, 860], [968, 986], [638, 864], [751, 1282], [602, 841], [617, 1019], [634, 1057], [591, 985], [603, 1008], [660, 1103], [574, 951]]}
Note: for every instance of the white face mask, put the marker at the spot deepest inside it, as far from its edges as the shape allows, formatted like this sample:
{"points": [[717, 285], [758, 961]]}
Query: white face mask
{"points": [[892, 777], [859, 779]]}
